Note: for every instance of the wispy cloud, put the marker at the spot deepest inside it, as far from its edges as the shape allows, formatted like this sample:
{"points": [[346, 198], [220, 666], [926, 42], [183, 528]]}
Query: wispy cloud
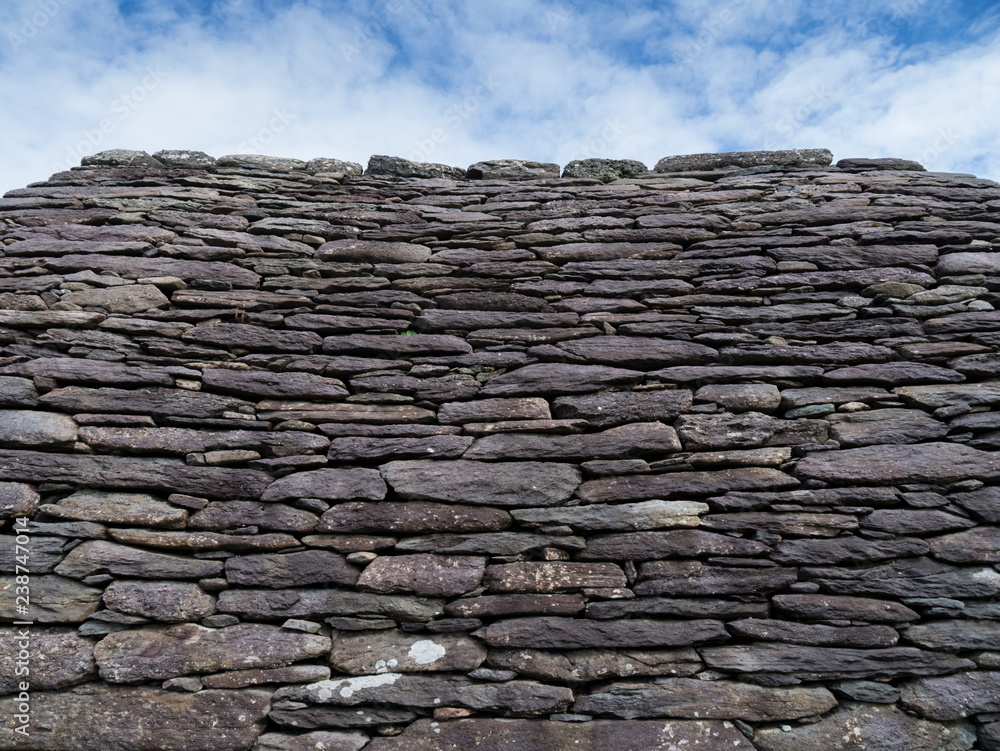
{"points": [[453, 82]]}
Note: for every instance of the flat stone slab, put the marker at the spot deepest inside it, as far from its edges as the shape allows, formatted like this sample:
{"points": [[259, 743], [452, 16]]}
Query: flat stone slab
{"points": [[159, 653], [638, 735], [491, 484], [861, 727], [744, 159], [98, 718]]}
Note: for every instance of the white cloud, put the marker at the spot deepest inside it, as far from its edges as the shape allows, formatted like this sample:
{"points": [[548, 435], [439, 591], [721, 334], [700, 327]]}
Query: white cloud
{"points": [[543, 79]]}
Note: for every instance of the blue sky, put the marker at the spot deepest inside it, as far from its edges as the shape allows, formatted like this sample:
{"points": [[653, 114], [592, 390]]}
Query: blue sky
{"points": [[457, 82]]}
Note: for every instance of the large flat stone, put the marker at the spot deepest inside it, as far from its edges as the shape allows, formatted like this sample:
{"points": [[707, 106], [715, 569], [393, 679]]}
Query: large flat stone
{"points": [[53, 599], [131, 509], [162, 652], [556, 379], [573, 633], [674, 484], [314, 603], [156, 402], [888, 465], [422, 574], [118, 473], [58, 658], [608, 408], [679, 543], [623, 517], [492, 484], [518, 698], [412, 517], [99, 718], [489, 735], [173, 602], [372, 652], [865, 727], [328, 484], [296, 569], [824, 663], [954, 696], [27, 428], [634, 440], [100, 557], [714, 700], [744, 159], [585, 665]]}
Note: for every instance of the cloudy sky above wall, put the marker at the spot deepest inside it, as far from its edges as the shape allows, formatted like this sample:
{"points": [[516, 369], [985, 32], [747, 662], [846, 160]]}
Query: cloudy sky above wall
{"points": [[457, 82]]}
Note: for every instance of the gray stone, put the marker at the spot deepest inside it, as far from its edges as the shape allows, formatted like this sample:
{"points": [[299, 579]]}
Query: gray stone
{"points": [[911, 577], [99, 557], [984, 503], [555, 379], [624, 517], [935, 396], [952, 635], [914, 521], [552, 576], [746, 430], [846, 550], [260, 676], [374, 652], [53, 599], [433, 575], [261, 162], [314, 603], [493, 484], [322, 741], [605, 170], [17, 392], [955, 696], [371, 251], [58, 658], [394, 166], [821, 663], [263, 384], [574, 633], [626, 441], [681, 543], [640, 353], [99, 718], [137, 509], [606, 409], [695, 578], [487, 543], [816, 635], [714, 700], [827, 607], [324, 164], [312, 717], [173, 602], [412, 517], [26, 428], [132, 298], [880, 426], [185, 159], [162, 652], [756, 397], [489, 735], [745, 159], [864, 727], [504, 605], [511, 698], [17, 499], [297, 569], [584, 665], [863, 165], [511, 169], [132, 473], [120, 158], [673, 484], [922, 462], [328, 484], [494, 410], [979, 545], [223, 515]]}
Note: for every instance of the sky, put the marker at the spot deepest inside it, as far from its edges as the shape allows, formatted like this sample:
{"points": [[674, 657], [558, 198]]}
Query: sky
{"points": [[459, 82]]}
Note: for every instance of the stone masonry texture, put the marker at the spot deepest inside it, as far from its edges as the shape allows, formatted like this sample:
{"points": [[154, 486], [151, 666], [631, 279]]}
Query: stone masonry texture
{"points": [[314, 457]]}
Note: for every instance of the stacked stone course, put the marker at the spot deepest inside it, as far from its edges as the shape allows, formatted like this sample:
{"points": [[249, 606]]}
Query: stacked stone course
{"points": [[422, 458]]}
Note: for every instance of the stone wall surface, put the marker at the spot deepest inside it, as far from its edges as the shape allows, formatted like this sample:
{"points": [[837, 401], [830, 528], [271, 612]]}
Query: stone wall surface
{"points": [[306, 458]]}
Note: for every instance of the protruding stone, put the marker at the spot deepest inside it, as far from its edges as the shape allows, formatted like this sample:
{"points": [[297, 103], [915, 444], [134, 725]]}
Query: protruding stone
{"points": [[745, 159]]}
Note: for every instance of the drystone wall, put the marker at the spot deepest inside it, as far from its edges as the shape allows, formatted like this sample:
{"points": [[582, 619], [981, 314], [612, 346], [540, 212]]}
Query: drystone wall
{"points": [[295, 458]]}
